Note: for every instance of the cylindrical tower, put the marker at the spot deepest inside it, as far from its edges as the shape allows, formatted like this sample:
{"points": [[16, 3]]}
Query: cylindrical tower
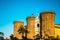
{"points": [[47, 23], [31, 26], [37, 27], [17, 25]]}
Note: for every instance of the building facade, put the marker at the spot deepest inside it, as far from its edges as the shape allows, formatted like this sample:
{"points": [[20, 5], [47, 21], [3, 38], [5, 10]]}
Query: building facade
{"points": [[57, 30], [37, 26], [42, 26], [31, 26], [17, 25], [47, 23]]}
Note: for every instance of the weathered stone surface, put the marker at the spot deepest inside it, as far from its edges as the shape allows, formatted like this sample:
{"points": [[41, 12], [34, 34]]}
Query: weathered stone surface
{"points": [[17, 25], [31, 26], [47, 23]]}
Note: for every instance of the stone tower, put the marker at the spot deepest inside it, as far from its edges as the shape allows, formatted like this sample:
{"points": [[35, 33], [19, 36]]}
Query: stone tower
{"points": [[37, 27], [57, 30], [31, 26], [17, 25], [47, 23]]}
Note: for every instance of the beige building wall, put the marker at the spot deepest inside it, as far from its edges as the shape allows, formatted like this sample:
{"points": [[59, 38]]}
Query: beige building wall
{"points": [[37, 26], [17, 25], [47, 23], [57, 30], [30, 27]]}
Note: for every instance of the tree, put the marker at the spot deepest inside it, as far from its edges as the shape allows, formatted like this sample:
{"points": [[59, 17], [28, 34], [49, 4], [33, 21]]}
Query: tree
{"points": [[26, 31], [21, 30], [12, 37], [15, 38], [1, 36], [37, 37]]}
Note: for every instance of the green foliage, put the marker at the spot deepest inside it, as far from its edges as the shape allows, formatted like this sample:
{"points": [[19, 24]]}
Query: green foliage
{"points": [[1, 34], [12, 37], [23, 30], [37, 37]]}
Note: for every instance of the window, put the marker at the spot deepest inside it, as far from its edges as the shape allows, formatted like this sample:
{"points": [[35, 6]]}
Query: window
{"points": [[37, 25]]}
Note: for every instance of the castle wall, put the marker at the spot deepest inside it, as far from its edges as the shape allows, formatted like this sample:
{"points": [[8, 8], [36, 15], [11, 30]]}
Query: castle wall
{"points": [[37, 26], [47, 23], [57, 30], [31, 26], [46, 26], [17, 25]]}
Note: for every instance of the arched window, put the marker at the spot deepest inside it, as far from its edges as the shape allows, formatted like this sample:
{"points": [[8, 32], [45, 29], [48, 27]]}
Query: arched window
{"points": [[37, 25]]}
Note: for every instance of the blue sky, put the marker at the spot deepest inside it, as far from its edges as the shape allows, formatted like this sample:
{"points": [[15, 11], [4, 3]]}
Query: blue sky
{"points": [[12, 10]]}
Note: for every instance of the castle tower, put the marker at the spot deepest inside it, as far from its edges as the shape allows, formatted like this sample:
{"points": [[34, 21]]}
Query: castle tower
{"points": [[57, 30], [47, 23], [17, 25], [37, 27], [31, 26]]}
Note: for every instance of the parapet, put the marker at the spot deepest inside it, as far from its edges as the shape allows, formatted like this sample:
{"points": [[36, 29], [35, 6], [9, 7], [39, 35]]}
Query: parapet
{"points": [[30, 17], [18, 22], [57, 25], [48, 12]]}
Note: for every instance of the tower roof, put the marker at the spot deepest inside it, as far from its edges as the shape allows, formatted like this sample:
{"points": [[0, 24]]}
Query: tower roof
{"points": [[18, 22], [31, 17], [48, 12]]}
